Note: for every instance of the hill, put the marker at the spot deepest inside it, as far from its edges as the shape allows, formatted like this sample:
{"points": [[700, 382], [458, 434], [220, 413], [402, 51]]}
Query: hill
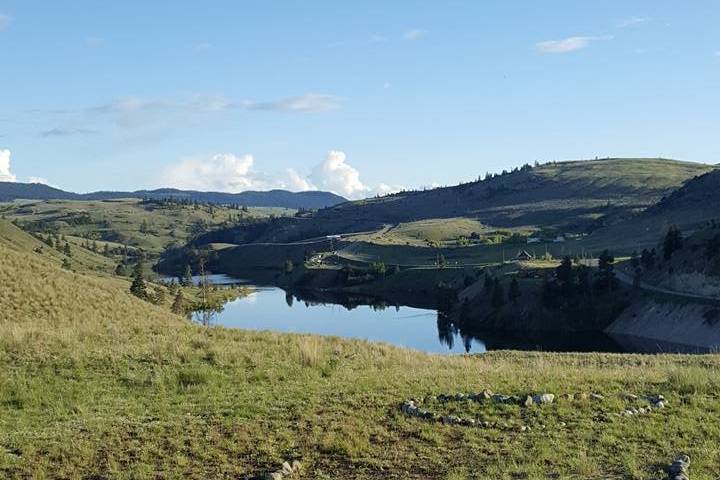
{"points": [[689, 207], [10, 191], [577, 196], [95, 383], [141, 224]]}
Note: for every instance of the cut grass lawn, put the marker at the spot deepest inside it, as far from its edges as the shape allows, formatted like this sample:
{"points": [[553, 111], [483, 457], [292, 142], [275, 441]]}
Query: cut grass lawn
{"points": [[97, 384]]}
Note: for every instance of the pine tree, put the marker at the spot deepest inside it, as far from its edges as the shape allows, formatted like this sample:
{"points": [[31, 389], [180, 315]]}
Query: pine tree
{"points": [[498, 295], [120, 270], [514, 291], [66, 250], [66, 264], [673, 242], [138, 287], [187, 280], [178, 306]]}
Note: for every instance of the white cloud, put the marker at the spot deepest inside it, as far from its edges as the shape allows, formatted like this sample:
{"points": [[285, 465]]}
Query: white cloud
{"points": [[223, 172], [414, 34], [296, 183], [5, 173], [5, 20], [377, 38], [567, 45], [40, 180], [337, 176], [226, 172], [308, 103], [632, 21], [385, 189]]}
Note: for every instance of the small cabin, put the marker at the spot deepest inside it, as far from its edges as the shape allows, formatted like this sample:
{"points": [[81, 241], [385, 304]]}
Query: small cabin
{"points": [[524, 255]]}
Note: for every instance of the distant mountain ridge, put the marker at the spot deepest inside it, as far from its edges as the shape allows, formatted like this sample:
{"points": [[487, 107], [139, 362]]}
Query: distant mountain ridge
{"points": [[10, 191]]}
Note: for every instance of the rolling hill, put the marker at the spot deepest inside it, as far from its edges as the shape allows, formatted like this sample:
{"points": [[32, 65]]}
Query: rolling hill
{"points": [[10, 191], [577, 196], [689, 207]]}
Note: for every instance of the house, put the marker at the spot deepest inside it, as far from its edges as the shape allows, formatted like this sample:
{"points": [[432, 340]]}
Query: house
{"points": [[524, 255]]}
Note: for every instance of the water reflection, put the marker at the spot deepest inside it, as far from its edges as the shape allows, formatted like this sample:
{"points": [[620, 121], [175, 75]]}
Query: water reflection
{"points": [[401, 321]]}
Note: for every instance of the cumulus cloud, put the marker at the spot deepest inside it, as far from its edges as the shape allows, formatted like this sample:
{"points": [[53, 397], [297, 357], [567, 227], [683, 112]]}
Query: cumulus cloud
{"points": [[40, 180], [385, 189], [227, 172], [414, 34], [5, 173], [336, 175], [222, 172], [308, 103], [567, 45], [297, 183], [5, 20]]}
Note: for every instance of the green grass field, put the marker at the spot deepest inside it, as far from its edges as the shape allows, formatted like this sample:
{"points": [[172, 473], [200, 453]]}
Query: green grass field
{"points": [[95, 383]]}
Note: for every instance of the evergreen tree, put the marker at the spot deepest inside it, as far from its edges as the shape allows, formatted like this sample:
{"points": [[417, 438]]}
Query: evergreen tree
{"points": [[138, 287], [187, 280], [178, 306], [514, 291], [606, 273], [673, 242], [120, 270], [66, 250], [566, 276], [66, 264], [498, 295], [159, 296], [488, 284]]}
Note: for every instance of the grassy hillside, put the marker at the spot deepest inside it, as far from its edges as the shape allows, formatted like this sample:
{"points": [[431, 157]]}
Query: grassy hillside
{"points": [[689, 207], [566, 196], [81, 259], [97, 384], [147, 225]]}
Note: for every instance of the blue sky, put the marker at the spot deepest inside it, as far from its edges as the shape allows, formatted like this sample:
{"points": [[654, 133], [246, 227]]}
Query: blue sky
{"points": [[355, 97]]}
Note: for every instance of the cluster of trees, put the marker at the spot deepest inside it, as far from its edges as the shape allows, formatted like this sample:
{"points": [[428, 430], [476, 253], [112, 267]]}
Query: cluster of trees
{"points": [[493, 287], [582, 293]]}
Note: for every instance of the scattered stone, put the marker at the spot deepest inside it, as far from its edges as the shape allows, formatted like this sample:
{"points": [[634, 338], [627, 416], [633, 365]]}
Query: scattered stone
{"points": [[660, 404], [500, 398], [486, 394], [567, 396], [296, 466], [528, 401], [679, 468], [276, 476], [597, 396], [545, 398], [287, 469], [583, 396]]}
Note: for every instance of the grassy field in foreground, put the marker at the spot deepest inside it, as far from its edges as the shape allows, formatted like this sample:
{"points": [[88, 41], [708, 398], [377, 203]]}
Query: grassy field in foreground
{"points": [[107, 386]]}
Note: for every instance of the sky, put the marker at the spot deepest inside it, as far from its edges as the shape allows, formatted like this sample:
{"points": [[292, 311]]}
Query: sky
{"points": [[359, 98]]}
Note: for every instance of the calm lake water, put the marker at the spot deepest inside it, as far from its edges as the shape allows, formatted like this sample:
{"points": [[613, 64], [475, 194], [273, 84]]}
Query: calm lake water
{"points": [[271, 308]]}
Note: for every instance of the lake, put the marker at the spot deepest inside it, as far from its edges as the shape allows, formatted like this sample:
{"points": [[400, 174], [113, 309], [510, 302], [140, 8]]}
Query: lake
{"points": [[272, 308]]}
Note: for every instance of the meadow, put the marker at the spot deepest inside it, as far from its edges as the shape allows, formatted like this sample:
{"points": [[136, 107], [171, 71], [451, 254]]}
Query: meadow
{"points": [[103, 385]]}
